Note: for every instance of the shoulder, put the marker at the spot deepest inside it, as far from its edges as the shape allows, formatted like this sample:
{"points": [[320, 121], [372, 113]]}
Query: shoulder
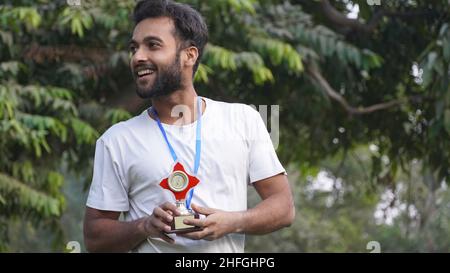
{"points": [[122, 130]]}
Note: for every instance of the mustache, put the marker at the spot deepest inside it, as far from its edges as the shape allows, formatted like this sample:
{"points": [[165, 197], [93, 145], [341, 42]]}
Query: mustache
{"points": [[144, 66]]}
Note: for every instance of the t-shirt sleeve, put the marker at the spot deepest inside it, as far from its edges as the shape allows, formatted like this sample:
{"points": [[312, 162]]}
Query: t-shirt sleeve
{"points": [[108, 189], [263, 160]]}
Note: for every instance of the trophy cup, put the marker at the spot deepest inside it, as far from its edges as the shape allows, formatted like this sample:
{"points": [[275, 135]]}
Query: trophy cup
{"points": [[179, 183]]}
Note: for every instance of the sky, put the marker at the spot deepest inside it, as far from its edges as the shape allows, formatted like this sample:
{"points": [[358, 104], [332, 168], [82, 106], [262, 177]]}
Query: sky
{"points": [[354, 10]]}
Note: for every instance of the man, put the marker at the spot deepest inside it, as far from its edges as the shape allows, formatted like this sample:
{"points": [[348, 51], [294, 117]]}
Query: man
{"points": [[133, 157]]}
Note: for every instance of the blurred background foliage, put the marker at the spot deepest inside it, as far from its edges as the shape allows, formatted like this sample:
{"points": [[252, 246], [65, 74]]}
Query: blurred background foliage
{"points": [[364, 124]]}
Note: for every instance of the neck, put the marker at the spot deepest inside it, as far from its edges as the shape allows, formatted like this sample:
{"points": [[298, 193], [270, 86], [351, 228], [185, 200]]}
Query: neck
{"points": [[178, 107]]}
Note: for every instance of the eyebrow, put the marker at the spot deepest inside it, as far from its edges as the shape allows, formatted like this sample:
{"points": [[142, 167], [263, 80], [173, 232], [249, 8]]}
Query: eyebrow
{"points": [[146, 40]]}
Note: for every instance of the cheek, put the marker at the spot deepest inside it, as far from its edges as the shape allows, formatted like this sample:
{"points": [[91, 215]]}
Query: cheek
{"points": [[162, 59], [132, 62], [184, 58]]}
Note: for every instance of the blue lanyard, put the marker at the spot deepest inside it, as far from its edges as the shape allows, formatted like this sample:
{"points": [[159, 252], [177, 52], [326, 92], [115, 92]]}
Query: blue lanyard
{"points": [[198, 144]]}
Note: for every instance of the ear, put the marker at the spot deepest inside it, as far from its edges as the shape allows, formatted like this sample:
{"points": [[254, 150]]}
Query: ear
{"points": [[191, 55]]}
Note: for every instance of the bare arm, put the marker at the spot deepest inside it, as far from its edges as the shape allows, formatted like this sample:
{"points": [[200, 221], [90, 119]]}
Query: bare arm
{"points": [[103, 232], [275, 211]]}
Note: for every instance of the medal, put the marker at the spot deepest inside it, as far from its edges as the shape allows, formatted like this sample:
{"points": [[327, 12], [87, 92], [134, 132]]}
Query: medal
{"points": [[179, 182]]}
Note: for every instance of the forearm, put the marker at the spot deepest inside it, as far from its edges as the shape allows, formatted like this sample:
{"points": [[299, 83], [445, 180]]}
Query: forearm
{"points": [[271, 214], [107, 235]]}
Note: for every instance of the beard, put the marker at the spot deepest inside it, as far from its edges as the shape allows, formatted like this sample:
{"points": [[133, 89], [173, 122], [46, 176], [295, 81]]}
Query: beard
{"points": [[168, 80]]}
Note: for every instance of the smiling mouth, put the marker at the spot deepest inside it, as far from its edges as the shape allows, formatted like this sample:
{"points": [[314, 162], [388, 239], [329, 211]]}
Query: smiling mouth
{"points": [[144, 72]]}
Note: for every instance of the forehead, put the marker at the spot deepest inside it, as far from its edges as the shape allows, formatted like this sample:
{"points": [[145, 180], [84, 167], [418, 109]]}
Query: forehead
{"points": [[161, 27]]}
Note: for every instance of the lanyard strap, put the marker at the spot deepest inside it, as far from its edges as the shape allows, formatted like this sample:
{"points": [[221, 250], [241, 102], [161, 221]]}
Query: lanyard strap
{"points": [[198, 143]]}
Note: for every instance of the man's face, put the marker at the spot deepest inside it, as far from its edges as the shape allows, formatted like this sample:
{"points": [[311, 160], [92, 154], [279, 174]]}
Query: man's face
{"points": [[155, 62]]}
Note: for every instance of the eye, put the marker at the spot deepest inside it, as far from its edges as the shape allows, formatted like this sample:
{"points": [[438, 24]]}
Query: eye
{"points": [[152, 45], [132, 49]]}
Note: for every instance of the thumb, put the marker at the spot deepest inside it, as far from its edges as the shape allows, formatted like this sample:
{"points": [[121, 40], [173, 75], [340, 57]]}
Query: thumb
{"points": [[202, 210]]}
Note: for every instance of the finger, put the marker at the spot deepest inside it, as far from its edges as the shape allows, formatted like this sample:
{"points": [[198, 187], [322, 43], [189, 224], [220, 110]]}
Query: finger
{"points": [[164, 215], [161, 226], [202, 210], [169, 220], [170, 207], [196, 235], [195, 222]]}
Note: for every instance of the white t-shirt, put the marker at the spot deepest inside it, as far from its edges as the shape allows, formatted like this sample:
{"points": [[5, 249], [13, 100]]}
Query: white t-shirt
{"points": [[131, 159]]}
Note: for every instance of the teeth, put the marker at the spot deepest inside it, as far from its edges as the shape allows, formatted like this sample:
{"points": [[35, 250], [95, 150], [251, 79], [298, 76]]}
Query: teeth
{"points": [[144, 72]]}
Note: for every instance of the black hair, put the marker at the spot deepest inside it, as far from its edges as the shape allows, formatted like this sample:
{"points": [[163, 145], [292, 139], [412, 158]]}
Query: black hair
{"points": [[190, 28]]}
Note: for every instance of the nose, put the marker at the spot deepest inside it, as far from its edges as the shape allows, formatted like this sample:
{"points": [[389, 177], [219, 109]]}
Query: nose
{"points": [[140, 56]]}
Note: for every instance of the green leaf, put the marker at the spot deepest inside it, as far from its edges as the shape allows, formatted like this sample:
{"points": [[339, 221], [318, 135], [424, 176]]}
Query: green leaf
{"points": [[76, 26], [202, 73], [117, 115], [446, 48], [30, 199], [84, 133], [447, 120]]}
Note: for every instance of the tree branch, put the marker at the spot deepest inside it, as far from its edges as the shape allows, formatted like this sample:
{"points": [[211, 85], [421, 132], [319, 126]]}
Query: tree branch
{"points": [[40, 54], [340, 19], [336, 17], [323, 83]]}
